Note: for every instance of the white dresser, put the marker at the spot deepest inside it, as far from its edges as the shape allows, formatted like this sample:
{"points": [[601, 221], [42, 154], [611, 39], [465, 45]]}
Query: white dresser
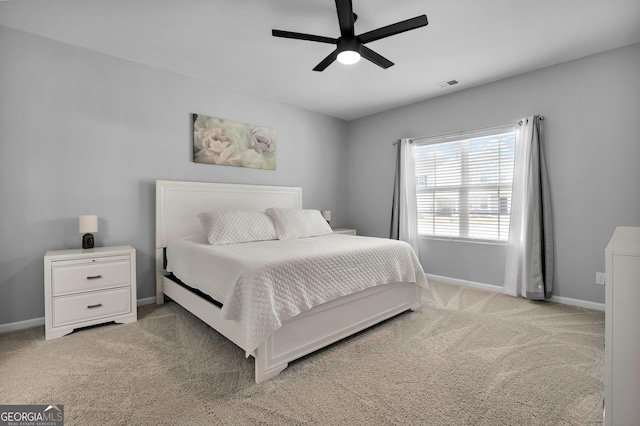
{"points": [[87, 287], [622, 328]]}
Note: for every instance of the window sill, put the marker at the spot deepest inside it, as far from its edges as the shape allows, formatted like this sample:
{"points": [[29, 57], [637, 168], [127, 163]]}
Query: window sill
{"points": [[464, 240]]}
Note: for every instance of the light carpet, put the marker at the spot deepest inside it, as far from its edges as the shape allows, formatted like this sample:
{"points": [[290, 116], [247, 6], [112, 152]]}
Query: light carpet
{"points": [[471, 358]]}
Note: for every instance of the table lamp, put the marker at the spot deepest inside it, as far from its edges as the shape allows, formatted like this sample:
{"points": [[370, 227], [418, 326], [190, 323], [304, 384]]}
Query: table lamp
{"points": [[88, 224]]}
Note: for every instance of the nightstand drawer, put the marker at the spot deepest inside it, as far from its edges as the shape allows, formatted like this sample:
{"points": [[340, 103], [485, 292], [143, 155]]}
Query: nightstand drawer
{"points": [[91, 306], [90, 276]]}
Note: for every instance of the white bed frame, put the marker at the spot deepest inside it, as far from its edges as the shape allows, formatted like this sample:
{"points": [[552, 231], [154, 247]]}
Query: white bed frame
{"points": [[177, 207]]}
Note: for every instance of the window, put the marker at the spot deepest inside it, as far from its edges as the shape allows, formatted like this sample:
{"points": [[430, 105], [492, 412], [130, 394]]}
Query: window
{"points": [[463, 185]]}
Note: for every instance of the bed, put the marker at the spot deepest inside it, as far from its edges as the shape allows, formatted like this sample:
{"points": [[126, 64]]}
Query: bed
{"points": [[302, 331]]}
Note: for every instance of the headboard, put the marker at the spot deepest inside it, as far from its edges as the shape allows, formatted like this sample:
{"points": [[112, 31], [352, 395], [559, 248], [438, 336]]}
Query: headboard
{"points": [[179, 203]]}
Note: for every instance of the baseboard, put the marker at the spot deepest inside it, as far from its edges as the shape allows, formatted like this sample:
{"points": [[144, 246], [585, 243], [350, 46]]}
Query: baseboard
{"points": [[498, 289], [146, 301], [577, 302], [37, 322], [489, 287], [20, 325]]}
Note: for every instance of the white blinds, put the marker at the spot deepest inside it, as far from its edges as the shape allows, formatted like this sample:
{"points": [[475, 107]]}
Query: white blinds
{"points": [[463, 185]]}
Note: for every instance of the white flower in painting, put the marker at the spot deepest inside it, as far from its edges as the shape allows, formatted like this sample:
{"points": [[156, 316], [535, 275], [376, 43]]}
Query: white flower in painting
{"points": [[214, 141], [261, 141], [201, 126], [229, 157], [218, 148]]}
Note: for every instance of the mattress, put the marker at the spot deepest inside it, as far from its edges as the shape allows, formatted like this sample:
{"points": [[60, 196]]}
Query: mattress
{"points": [[262, 284]]}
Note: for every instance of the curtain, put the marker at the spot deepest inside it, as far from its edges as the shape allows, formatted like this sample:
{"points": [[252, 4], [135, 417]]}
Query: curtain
{"points": [[404, 211], [529, 267]]}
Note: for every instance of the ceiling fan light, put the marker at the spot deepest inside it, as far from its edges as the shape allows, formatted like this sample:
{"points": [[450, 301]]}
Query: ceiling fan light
{"points": [[348, 57]]}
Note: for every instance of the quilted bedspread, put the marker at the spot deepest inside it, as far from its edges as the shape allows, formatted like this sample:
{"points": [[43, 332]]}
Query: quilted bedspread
{"points": [[262, 284]]}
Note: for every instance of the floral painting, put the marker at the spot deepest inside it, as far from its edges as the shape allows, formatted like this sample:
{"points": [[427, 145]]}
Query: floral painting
{"points": [[229, 143]]}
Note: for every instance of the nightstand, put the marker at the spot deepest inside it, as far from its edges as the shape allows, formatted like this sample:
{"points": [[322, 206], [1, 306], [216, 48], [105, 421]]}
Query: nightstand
{"points": [[347, 231], [88, 287]]}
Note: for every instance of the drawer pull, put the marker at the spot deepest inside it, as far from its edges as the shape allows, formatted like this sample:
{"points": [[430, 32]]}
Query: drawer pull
{"points": [[94, 277], [94, 306]]}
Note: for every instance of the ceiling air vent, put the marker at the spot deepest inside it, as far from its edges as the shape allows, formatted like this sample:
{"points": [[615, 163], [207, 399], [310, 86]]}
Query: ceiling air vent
{"points": [[445, 84]]}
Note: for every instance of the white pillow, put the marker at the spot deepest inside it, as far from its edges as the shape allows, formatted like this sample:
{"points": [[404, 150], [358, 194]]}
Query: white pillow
{"points": [[298, 223], [236, 226]]}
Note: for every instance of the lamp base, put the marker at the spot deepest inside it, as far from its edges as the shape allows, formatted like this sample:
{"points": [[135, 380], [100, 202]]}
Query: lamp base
{"points": [[87, 241]]}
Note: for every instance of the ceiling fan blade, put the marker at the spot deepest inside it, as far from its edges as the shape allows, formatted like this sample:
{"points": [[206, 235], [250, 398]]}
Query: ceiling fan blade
{"points": [[377, 59], [397, 28], [345, 17], [301, 36], [327, 61]]}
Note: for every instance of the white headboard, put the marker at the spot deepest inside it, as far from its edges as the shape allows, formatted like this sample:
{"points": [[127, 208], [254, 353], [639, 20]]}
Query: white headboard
{"points": [[179, 203]]}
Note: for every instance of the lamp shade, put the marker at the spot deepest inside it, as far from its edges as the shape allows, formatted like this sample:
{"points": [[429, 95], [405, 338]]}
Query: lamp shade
{"points": [[326, 214], [88, 224]]}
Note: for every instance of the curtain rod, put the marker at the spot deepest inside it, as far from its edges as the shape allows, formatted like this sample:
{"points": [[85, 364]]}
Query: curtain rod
{"points": [[466, 132]]}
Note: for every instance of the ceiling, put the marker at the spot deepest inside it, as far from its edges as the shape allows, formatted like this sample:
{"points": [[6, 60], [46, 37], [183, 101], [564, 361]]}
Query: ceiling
{"points": [[229, 42]]}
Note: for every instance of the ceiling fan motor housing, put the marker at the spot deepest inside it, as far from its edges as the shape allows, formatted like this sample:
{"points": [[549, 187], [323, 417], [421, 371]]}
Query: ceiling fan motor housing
{"points": [[352, 43]]}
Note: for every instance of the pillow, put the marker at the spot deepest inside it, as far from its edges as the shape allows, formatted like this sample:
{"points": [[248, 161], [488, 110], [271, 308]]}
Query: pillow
{"points": [[298, 223], [236, 226]]}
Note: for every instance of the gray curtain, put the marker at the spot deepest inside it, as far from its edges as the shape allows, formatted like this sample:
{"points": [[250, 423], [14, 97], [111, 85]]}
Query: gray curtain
{"points": [[530, 257], [404, 214], [394, 232], [541, 259]]}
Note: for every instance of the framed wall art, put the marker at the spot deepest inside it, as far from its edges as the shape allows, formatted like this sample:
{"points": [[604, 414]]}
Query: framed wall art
{"points": [[230, 143]]}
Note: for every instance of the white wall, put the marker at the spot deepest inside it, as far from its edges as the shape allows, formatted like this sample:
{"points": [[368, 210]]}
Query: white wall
{"points": [[86, 133], [592, 107]]}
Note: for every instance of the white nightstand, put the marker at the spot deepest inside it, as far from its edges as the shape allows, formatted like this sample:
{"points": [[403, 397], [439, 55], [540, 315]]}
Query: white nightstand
{"points": [[87, 287], [347, 231]]}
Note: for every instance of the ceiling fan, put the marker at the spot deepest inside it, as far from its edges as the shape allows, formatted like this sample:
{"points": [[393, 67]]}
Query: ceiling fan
{"points": [[349, 47]]}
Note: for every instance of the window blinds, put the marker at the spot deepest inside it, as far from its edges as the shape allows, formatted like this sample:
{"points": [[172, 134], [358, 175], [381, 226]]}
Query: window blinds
{"points": [[463, 185]]}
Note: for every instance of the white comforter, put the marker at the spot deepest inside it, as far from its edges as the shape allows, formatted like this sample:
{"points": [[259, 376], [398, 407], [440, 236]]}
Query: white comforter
{"points": [[262, 284]]}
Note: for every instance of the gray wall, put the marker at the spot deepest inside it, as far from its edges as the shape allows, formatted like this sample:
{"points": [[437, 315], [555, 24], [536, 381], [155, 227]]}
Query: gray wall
{"points": [[86, 133], [592, 107]]}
